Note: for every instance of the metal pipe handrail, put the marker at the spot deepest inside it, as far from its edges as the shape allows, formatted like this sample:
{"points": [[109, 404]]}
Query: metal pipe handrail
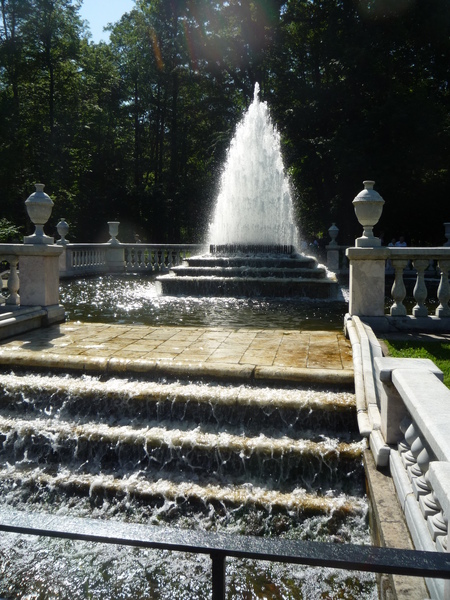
{"points": [[340, 556]]}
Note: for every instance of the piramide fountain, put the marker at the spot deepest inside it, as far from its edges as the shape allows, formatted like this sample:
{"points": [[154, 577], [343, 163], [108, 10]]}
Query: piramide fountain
{"points": [[253, 238], [264, 460]]}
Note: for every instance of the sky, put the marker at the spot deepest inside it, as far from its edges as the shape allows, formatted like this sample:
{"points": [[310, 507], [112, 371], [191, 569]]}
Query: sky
{"points": [[100, 13]]}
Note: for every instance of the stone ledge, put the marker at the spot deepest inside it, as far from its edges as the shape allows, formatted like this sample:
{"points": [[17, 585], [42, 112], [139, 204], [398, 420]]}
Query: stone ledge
{"points": [[386, 365], [407, 323], [20, 320]]}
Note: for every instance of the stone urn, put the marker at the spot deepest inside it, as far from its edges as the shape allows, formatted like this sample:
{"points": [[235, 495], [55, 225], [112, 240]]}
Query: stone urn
{"points": [[368, 206], [62, 228], [39, 207], [333, 233], [113, 227]]}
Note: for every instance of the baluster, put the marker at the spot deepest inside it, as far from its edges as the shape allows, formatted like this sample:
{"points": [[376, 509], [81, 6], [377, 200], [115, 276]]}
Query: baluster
{"points": [[428, 505], [398, 291], [418, 471], [437, 525], [13, 282], [410, 437], [403, 446], [420, 289], [443, 292], [169, 258]]}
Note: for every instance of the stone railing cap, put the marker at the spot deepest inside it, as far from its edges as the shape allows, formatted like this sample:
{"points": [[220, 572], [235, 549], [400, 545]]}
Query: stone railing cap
{"points": [[384, 366], [30, 250], [376, 253]]}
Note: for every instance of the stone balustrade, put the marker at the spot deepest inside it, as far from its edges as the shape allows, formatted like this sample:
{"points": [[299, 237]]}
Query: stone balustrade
{"points": [[424, 270], [337, 261], [414, 408], [157, 258], [83, 259], [39, 274], [95, 259], [403, 409], [30, 297]]}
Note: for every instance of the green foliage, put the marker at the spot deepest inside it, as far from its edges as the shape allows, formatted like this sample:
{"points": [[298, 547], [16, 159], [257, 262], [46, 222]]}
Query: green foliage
{"points": [[438, 352], [138, 128], [8, 231]]}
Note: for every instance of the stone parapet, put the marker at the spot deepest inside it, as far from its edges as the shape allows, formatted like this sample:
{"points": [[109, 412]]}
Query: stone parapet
{"points": [[32, 293], [404, 411], [419, 272]]}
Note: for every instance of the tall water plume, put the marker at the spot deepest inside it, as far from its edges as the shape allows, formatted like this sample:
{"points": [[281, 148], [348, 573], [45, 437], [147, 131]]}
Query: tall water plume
{"points": [[254, 205]]}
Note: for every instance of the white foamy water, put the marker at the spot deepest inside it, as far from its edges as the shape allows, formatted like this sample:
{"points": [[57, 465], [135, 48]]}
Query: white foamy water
{"points": [[254, 204], [160, 452]]}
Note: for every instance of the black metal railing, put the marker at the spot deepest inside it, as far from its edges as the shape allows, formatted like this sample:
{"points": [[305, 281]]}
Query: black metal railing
{"points": [[219, 546]]}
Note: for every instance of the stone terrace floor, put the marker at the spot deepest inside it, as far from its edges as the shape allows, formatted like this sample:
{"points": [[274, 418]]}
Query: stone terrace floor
{"points": [[243, 354]]}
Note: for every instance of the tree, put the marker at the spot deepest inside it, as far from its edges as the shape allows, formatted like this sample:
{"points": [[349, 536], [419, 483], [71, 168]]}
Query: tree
{"points": [[362, 93]]}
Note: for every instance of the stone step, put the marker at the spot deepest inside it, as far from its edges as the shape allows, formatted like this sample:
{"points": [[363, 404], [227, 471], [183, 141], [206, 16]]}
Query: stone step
{"points": [[250, 272], [252, 409], [153, 493], [241, 287], [262, 261], [212, 455]]}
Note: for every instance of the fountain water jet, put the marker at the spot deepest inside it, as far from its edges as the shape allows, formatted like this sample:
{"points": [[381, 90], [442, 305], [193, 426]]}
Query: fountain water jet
{"points": [[254, 205], [253, 238]]}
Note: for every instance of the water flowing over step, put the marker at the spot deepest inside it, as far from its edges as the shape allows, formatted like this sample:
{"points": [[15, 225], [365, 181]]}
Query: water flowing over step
{"points": [[246, 459], [188, 433], [239, 275]]}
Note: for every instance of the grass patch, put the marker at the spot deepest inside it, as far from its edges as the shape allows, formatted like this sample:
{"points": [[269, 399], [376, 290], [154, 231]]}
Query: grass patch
{"points": [[438, 352]]}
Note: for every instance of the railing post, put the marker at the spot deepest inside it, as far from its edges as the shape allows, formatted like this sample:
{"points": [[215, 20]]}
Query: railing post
{"points": [[367, 275], [115, 252], [218, 575]]}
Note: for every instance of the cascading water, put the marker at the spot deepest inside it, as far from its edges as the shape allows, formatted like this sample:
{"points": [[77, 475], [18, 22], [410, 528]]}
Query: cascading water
{"points": [[241, 460], [254, 205]]}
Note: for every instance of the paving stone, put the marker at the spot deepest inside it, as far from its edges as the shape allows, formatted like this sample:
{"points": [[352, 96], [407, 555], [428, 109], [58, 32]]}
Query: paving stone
{"points": [[234, 353]]}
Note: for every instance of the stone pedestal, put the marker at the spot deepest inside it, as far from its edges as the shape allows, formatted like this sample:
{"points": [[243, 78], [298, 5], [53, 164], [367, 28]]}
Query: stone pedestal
{"points": [[392, 407], [39, 275], [115, 258], [332, 259], [367, 274]]}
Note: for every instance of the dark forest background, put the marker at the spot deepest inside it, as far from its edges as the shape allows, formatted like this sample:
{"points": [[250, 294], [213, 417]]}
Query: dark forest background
{"points": [[136, 130]]}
